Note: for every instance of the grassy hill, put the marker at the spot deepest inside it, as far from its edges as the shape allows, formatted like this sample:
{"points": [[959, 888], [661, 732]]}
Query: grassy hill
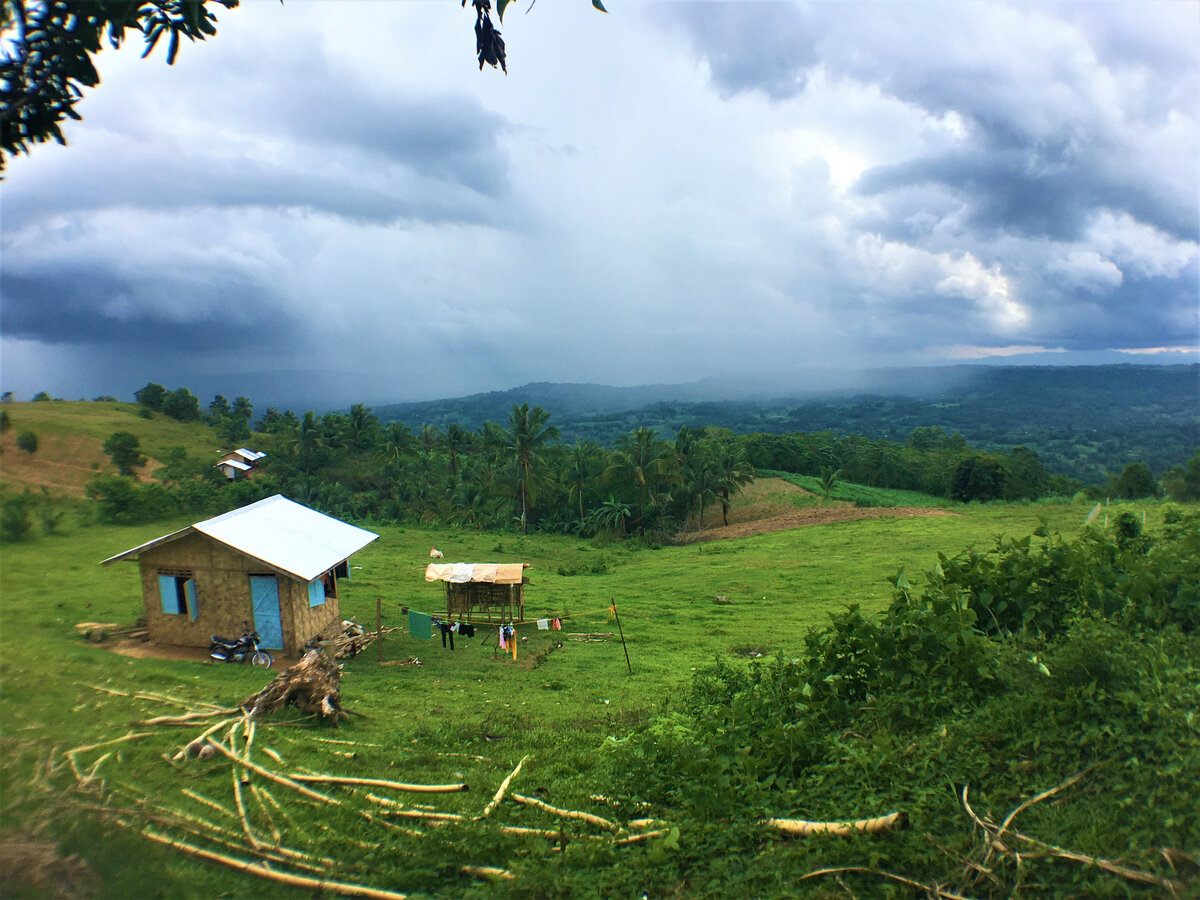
{"points": [[70, 437]]}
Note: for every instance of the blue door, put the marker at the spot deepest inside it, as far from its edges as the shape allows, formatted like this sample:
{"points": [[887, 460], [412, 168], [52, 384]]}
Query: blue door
{"points": [[264, 594]]}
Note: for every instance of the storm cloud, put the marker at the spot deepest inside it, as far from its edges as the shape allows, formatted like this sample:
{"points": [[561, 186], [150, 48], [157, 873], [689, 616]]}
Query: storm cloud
{"points": [[665, 193]]}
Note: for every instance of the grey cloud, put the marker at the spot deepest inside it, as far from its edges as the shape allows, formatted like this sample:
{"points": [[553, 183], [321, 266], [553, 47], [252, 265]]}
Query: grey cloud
{"points": [[93, 305], [751, 46]]}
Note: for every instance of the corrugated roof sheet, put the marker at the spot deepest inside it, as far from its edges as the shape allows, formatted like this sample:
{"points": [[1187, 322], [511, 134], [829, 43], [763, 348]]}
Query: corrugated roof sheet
{"points": [[285, 535]]}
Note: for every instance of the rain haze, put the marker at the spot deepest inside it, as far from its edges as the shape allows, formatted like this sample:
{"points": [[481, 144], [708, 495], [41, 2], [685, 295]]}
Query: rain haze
{"points": [[329, 203]]}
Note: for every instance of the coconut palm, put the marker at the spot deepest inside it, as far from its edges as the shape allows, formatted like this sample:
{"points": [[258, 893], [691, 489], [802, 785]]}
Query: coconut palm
{"points": [[643, 465], [522, 443]]}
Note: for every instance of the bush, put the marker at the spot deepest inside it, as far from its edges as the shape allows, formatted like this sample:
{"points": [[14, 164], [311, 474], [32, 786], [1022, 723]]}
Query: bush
{"points": [[28, 442], [15, 524]]}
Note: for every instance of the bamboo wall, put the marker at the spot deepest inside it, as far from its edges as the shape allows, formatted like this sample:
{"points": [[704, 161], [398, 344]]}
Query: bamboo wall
{"points": [[223, 596]]}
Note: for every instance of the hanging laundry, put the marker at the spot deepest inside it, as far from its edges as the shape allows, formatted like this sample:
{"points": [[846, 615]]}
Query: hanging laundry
{"points": [[556, 625], [512, 642], [466, 629], [420, 625], [503, 646], [447, 632], [543, 624]]}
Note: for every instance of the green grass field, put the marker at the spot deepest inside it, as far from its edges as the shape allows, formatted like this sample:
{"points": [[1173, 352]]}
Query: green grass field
{"points": [[470, 715]]}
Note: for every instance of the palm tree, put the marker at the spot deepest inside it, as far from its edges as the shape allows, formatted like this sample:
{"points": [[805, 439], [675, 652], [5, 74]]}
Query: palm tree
{"points": [[644, 464], [582, 467], [829, 479], [456, 440], [522, 443], [362, 427], [732, 472], [397, 442]]}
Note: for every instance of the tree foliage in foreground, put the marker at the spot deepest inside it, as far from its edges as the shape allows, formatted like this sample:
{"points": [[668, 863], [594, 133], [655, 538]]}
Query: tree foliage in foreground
{"points": [[49, 48]]}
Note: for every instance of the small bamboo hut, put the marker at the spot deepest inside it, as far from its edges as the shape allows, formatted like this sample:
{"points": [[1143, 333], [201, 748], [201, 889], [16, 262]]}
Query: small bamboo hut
{"points": [[492, 593], [274, 563]]}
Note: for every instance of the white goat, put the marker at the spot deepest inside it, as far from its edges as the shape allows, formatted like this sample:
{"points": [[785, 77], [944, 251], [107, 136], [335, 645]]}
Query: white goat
{"points": [[435, 553]]}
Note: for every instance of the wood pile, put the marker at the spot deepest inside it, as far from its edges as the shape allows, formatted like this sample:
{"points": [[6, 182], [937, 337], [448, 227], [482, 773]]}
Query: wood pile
{"points": [[312, 685], [103, 631]]}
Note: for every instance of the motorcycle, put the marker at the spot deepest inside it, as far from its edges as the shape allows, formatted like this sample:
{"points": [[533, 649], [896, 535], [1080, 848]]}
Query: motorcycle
{"points": [[241, 650]]}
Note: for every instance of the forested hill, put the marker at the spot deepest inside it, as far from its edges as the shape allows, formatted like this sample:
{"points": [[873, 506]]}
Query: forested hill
{"points": [[1082, 421]]}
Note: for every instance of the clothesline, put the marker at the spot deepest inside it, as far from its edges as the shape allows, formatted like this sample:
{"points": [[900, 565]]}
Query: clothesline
{"points": [[590, 612]]}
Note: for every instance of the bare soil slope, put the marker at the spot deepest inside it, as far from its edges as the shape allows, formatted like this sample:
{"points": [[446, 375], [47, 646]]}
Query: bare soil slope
{"points": [[772, 504]]}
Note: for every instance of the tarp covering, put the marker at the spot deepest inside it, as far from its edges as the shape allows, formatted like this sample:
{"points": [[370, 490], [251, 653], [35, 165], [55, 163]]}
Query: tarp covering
{"points": [[489, 573]]}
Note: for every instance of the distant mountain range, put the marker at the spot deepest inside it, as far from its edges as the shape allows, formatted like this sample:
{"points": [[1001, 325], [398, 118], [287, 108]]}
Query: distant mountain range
{"points": [[1081, 420]]}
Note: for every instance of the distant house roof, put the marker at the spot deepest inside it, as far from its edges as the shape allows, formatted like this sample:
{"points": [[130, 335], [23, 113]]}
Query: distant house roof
{"points": [[285, 535], [250, 455], [234, 464], [489, 573]]}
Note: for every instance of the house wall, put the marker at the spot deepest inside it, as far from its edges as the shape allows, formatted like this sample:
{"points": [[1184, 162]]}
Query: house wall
{"points": [[222, 577]]}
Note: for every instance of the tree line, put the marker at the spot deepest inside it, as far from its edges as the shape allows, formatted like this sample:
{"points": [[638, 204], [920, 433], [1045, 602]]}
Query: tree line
{"points": [[519, 475]]}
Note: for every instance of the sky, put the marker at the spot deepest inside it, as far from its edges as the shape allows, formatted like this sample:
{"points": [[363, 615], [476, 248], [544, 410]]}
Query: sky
{"points": [[330, 203]]}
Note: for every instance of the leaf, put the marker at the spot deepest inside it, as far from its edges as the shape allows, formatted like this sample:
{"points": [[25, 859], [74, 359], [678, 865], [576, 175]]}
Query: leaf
{"points": [[597, 4], [500, 5], [172, 48]]}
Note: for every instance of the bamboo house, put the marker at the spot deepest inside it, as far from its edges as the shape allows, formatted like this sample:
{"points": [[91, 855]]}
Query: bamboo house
{"points": [[273, 565], [482, 592]]}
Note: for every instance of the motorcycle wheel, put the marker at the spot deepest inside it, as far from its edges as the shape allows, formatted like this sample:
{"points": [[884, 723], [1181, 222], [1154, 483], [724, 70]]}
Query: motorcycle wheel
{"points": [[261, 658]]}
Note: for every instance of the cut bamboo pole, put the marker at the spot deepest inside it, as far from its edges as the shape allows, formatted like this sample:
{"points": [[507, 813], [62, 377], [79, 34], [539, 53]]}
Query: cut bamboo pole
{"points": [[334, 887], [182, 752], [489, 872], [568, 813], [185, 719], [804, 828], [211, 804], [379, 782], [503, 787], [644, 836], [271, 776]]}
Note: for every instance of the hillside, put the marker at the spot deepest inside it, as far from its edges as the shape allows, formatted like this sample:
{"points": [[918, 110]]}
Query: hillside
{"points": [[71, 435], [1082, 421]]}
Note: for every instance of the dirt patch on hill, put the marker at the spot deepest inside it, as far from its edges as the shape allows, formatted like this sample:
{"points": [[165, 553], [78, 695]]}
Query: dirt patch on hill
{"points": [[62, 464], [772, 504]]}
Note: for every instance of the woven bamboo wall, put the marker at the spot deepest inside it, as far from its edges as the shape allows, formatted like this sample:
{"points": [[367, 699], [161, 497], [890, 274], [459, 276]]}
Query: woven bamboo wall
{"points": [[223, 595]]}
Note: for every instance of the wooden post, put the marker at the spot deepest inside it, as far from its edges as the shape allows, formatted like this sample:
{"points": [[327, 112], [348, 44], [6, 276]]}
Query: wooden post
{"points": [[379, 626], [622, 633]]}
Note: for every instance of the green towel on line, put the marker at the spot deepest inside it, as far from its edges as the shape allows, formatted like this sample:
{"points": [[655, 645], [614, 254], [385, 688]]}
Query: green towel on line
{"points": [[419, 625]]}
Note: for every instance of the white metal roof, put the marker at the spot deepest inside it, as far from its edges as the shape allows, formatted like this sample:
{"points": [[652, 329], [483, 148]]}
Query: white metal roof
{"points": [[249, 454], [285, 535], [234, 464]]}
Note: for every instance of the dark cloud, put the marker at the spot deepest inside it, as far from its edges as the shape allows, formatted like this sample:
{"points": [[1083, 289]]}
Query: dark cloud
{"points": [[767, 47], [92, 305]]}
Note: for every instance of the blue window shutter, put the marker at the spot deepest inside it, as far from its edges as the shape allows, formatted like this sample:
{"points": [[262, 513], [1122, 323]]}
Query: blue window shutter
{"points": [[316, 592], [189, 589], [167, 594]]}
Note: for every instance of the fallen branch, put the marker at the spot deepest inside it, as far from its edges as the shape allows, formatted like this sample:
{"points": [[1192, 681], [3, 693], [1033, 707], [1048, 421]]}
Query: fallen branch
{"points": [[931, 889], [312, 685], [992, 834], [804, 828]]}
